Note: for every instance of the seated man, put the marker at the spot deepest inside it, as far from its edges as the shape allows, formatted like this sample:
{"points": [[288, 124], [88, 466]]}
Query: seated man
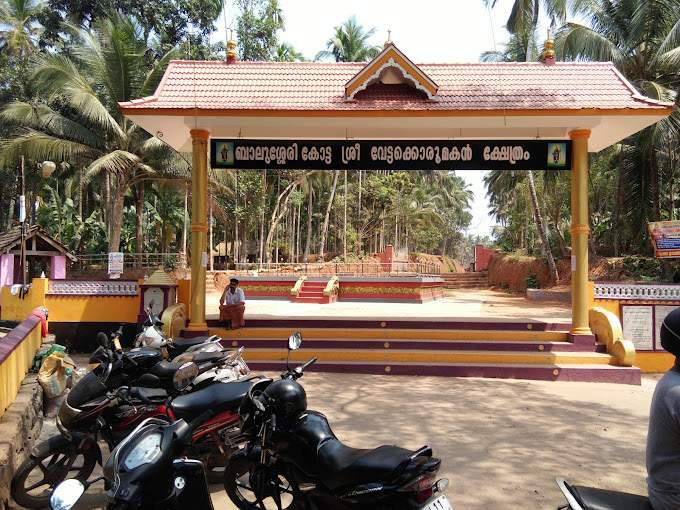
{"points": [[663, 437], [233, 305]]}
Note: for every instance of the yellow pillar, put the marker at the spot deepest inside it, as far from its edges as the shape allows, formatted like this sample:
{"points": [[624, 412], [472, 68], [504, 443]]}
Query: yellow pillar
{"points": [[579, 232], [199, 229]]}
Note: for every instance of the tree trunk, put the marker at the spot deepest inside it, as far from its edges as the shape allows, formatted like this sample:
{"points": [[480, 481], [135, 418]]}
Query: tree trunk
{"points": [[310, 213], [116, 218], [541, 231], [618, 205], [344, 234], [210, 234], [263, 190], [324, 231], [276, 218], [185, 227], [139, 223]]}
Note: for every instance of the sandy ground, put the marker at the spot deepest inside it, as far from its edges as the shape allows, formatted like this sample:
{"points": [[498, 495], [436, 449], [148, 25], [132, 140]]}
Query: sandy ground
{"points": [[502, 442]]}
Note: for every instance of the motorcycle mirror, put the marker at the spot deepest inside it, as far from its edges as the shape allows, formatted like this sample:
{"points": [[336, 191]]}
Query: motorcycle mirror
{"points": [[185, 375], [103, 340], [294, 341], [66, 494]]}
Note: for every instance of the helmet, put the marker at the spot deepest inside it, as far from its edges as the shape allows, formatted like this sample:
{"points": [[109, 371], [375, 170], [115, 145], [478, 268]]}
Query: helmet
{"points": [[286, 398], [670, 333]]}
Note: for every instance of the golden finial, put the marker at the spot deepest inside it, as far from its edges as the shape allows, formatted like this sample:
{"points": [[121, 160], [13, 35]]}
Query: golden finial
{"points": [[231, 46], [389, 38], [548, 50]]}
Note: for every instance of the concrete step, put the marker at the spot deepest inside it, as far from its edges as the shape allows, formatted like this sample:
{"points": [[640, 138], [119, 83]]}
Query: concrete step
{"points": [[500, 335], [542, 372], [308, 299], [509, 349]]}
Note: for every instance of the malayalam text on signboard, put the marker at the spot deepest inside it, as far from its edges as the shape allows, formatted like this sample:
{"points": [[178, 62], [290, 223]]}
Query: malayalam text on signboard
{"points": [[392, 155], [666, 238]]}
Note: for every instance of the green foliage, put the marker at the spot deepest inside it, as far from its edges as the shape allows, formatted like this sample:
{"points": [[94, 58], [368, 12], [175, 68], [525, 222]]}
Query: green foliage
{"points": [[643, 268], [531, 281], [350, 44], [169, 22], [257, 26]]}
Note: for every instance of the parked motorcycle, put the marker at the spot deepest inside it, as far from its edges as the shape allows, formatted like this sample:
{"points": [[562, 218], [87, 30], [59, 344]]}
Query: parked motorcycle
{"points": [[145, 470], [147, 367], [589, 498], [177, 350], [91, 409], [294, 460]]}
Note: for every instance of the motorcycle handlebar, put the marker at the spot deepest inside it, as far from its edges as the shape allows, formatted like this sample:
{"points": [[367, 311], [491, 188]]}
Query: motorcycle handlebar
{"points": [[297, 372], [200, 419]]}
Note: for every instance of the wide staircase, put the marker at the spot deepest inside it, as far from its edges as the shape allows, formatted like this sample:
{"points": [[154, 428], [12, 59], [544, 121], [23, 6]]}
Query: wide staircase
{"points": [[483, 348], [467, 280]]}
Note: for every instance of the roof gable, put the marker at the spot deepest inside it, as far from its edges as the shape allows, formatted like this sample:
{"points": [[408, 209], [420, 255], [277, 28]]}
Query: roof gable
{"points": [[38, 238], [391, 67]]}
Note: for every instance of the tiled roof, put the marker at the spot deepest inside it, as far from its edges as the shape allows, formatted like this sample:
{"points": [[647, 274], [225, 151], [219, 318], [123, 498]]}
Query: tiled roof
{"points": [[11, 240], [309, 86]]}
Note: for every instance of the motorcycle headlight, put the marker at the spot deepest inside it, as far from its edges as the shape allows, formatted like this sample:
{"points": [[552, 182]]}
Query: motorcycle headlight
{"points": [[147, 450]]}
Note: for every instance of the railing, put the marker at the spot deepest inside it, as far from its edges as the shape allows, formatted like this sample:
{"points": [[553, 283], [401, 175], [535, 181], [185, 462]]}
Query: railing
{"points": [[354, 269], [92, 288], [636, 291], [133, 260]]}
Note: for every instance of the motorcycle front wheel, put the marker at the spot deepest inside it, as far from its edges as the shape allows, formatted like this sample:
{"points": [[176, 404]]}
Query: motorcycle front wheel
{"points": [[247, 482], [33, 482]]}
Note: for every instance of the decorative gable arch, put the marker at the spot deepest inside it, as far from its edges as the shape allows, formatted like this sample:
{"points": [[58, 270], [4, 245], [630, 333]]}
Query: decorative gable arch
{"points": [[391, 67]]}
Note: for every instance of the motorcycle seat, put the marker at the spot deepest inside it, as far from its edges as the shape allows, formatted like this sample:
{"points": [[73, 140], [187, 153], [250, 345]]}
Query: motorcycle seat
{"points": [[601, 499], [182, 344], [342, 466], [157, 395], [202, 357], [219, 397], [164, 369]]}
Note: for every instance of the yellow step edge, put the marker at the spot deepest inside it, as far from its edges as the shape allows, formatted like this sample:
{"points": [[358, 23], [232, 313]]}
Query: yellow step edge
{"points": [[406, 334], [438, 357]]}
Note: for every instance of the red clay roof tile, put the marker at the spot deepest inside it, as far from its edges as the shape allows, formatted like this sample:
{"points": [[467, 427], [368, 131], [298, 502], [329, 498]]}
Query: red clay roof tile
{"points": [[321, 86]]}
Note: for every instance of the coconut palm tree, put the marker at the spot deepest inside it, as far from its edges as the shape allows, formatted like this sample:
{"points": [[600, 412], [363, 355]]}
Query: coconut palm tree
{"points": [[643, 40], [350, 44], [19, 29], [80, 119]]}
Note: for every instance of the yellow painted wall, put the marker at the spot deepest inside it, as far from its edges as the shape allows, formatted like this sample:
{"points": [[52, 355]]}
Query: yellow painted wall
{"points": [[184, 294], [64, 308], [648, 362], [16, 366], [92, 308], [16, 309]]}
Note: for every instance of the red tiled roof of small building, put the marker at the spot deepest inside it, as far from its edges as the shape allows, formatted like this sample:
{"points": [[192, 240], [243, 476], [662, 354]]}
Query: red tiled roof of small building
{"points": [[307, 86]]}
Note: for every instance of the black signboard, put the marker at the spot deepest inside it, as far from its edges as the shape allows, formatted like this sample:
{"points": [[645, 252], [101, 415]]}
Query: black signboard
{"points": [[392, 154]]}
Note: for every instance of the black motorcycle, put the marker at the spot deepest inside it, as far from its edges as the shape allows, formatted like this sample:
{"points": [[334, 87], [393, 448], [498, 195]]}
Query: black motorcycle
{"points": [[145, 470], [589, 498], [294, 460], [92, 410]]}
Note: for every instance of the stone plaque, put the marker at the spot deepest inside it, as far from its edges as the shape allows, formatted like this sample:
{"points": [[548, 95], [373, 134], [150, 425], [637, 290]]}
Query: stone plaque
{"points": [[638, 326]]}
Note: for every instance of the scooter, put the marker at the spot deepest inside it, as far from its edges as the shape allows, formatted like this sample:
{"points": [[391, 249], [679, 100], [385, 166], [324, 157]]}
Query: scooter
{"points": [[589, 498], [294, 460], [146, 470], [177, 350], [147, 366]]}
